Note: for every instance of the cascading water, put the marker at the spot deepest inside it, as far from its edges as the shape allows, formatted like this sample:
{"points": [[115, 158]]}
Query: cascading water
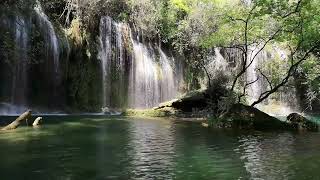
{"points": [[169, 88], [20, 28], [25, 64], [216, 63], [145, 79], [52, 49], [52, 54], [154, 77], [105, 56], [138, 75], [253, 75], [216, 66], [114, 62], [19, 81]]}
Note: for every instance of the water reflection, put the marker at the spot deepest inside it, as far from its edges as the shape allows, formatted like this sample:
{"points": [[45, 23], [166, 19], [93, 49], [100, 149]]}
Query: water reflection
{"points": [[267, 158], [205, 154], [103, 148], [152, 145]]}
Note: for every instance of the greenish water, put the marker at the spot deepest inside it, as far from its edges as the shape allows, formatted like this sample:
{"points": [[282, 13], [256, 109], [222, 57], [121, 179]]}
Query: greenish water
{"points": [[95, 147]]}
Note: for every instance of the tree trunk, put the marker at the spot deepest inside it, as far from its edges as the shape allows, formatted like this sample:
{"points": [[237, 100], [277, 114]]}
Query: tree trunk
{"points": [[23, 117]]}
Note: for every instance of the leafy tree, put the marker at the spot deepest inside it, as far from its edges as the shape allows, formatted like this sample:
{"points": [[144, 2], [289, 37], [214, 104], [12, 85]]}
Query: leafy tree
{"points": [[260, 23]]}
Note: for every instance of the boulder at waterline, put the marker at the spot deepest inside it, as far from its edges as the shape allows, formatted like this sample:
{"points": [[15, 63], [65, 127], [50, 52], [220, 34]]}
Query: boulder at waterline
{"points": [[187, 103], [147, 113], [37, 122], [299, 122], [111, 111], [105, 110], [241, 116]]}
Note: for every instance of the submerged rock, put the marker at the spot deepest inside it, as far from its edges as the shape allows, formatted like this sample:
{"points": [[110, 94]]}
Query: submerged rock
{"points": [[299, 122], [241, 116], [109, 111], [105, 110], [205, 124]]}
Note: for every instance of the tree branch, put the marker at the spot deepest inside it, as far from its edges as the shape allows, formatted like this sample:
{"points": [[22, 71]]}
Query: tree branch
{"points": [[245, 88], [207, 73], [269, 82], [290, 73], [263, 46], [295, 10]]}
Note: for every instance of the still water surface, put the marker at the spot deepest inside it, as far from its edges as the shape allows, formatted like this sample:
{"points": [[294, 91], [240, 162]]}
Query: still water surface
{"points": [[84, 147]]}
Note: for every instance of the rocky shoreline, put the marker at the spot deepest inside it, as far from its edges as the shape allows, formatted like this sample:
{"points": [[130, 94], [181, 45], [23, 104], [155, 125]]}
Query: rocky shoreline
{"points": [[239, 116]]}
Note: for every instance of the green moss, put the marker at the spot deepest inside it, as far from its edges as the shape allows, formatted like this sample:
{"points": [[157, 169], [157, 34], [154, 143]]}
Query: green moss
{"points": [[146, 113], [83, 73]]}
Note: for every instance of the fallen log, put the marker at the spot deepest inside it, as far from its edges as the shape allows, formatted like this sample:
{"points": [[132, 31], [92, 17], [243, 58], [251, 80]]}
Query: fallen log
{"points": [[23, 117]]}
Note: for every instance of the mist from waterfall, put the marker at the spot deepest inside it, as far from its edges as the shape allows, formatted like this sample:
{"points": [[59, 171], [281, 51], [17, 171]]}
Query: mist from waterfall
{"points": [[139, 75]]}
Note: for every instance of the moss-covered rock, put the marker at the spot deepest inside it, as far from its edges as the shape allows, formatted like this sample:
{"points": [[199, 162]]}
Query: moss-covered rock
{"points": [[299, 122], [147, 112], [246, 117], [296, 118], [187, 103]]}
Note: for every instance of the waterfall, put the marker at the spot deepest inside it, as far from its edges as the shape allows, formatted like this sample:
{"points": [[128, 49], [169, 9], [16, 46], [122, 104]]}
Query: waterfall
{"points": [[169, 87], [216, 63], [52, 49], [26, 64], [114, 62], [145, 79], [52, 57], [253, 74], [20, 76], [105, 57], [154, 77], [134, 74], [216, 67]]}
